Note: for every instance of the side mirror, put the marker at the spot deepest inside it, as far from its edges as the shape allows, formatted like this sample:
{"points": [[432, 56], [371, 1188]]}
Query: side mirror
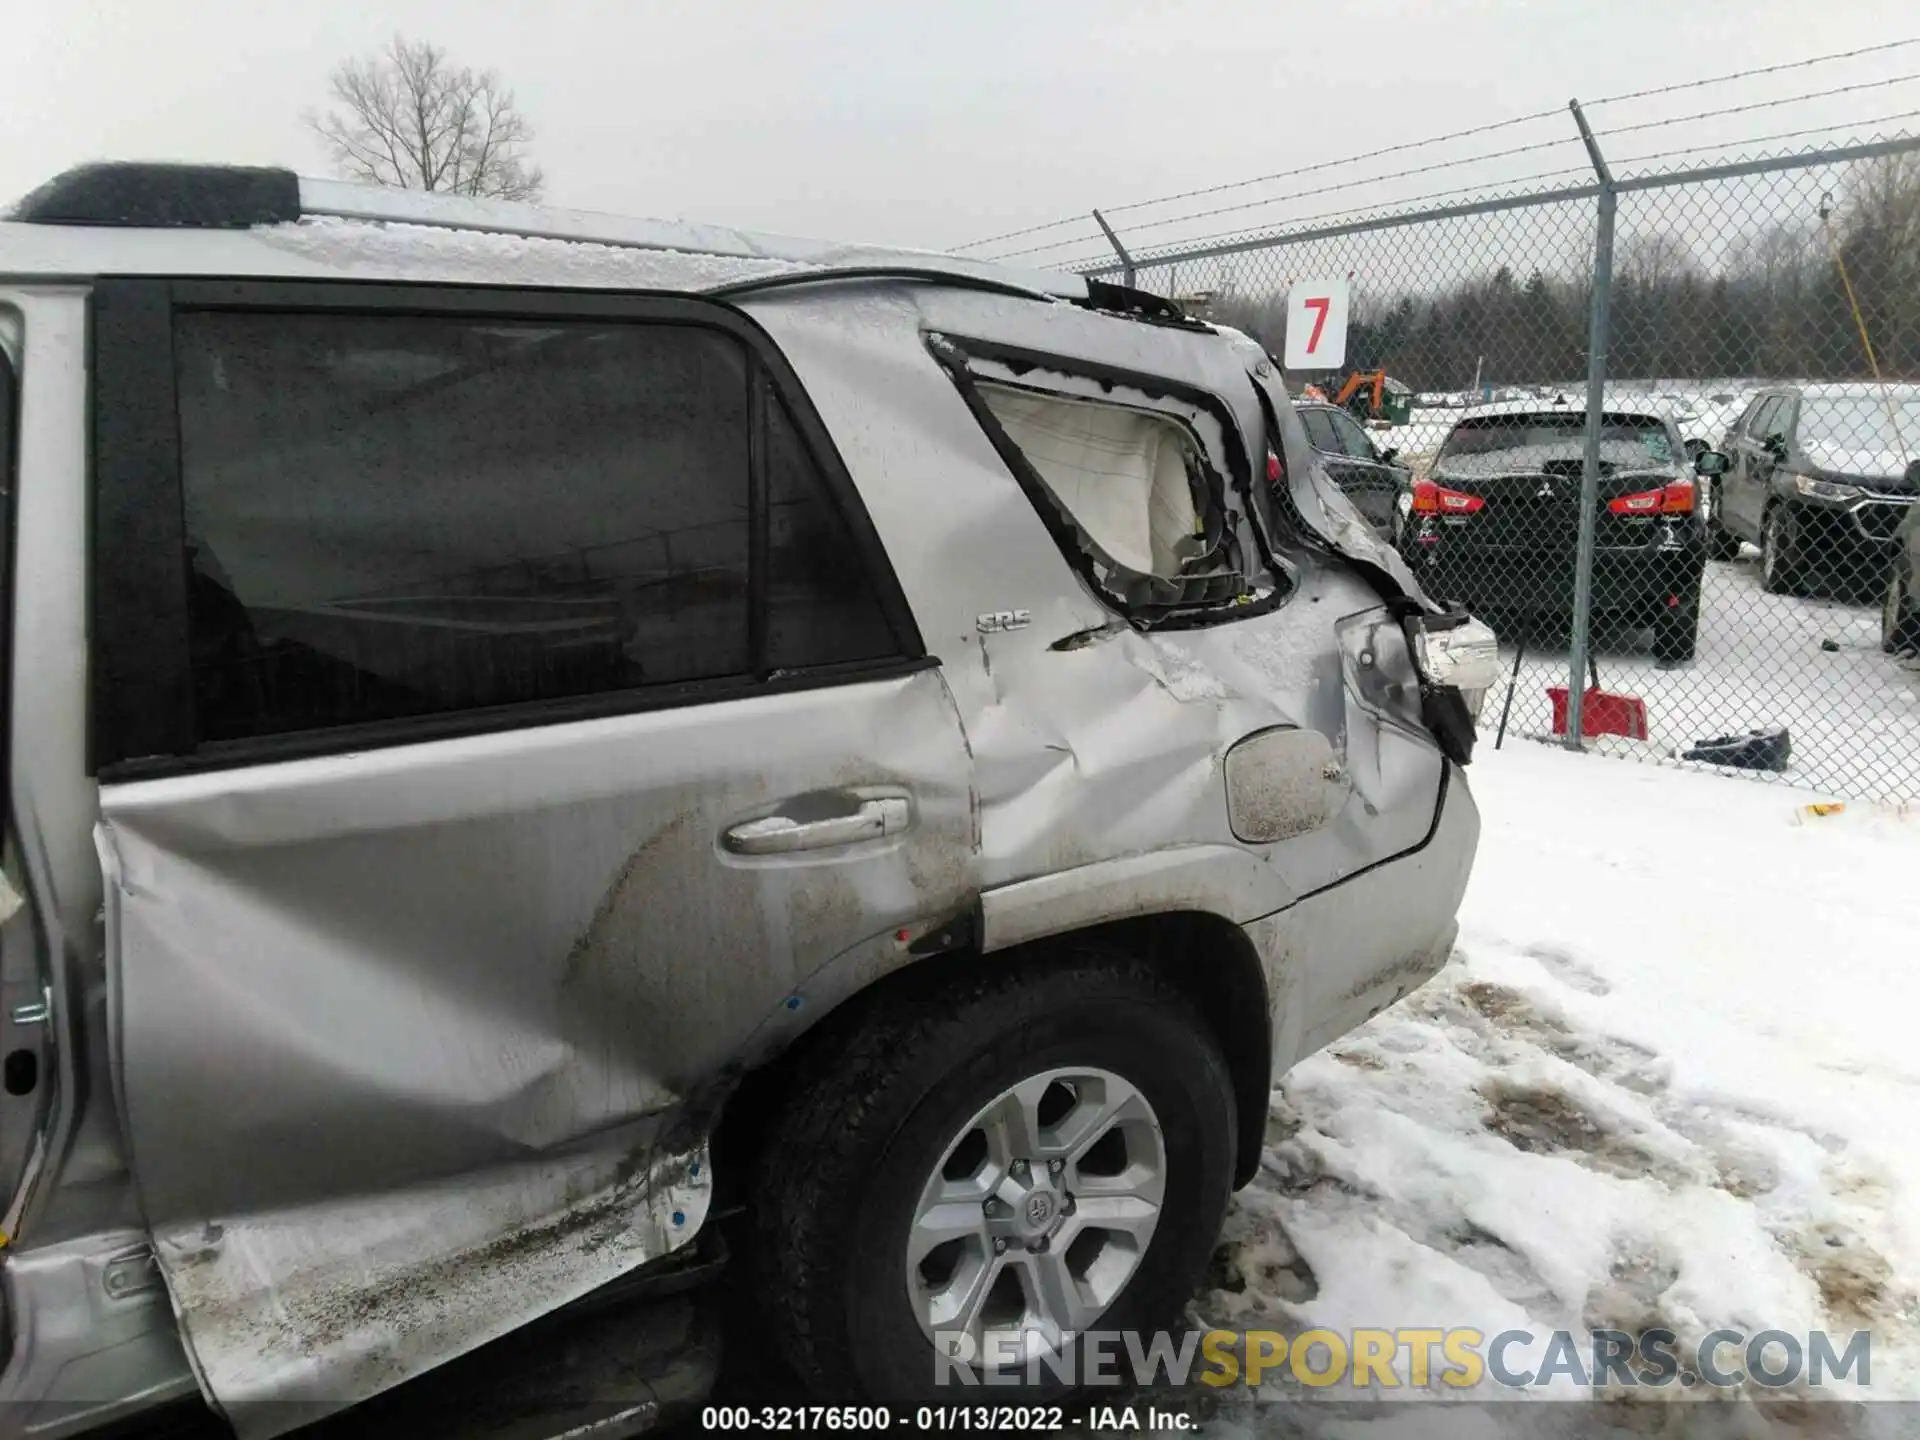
{"points": [[1710, 462], [1776, 446], [1389, 455]]}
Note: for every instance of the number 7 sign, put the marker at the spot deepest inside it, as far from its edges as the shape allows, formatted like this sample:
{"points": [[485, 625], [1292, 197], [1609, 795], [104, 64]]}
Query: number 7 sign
{"points": [[1317, 325]]}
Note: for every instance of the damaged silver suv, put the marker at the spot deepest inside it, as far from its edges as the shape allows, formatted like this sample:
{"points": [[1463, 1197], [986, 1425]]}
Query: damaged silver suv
{"points": [[531, 733]]}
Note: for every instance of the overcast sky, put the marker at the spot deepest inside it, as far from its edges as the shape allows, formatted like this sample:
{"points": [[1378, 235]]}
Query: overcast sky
{"points": [[925, 123]]}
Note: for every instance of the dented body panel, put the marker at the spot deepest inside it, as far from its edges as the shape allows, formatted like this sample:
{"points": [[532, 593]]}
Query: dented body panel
{"points": [[413, 1045], [1099, 763], [474, 1006]]}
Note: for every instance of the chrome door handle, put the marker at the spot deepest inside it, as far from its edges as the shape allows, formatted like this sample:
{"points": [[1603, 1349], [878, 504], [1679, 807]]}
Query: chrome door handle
{"points": [[779, 834]]}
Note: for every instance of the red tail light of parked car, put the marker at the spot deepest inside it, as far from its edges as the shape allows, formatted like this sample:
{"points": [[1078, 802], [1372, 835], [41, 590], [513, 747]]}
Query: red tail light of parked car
{"points": [[1674, 499]]}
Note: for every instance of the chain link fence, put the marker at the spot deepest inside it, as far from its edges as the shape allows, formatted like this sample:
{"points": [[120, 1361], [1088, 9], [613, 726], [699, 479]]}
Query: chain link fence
{"points": [[1661, 429]]}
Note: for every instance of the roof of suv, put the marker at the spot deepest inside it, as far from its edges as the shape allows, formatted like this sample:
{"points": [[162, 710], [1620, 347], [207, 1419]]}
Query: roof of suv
{"points": [[227, 220], [1901, 393]]}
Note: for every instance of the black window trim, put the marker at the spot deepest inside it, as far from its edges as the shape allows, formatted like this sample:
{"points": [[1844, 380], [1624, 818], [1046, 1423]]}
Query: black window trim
{"points": [[143, 720], [9, 529]]}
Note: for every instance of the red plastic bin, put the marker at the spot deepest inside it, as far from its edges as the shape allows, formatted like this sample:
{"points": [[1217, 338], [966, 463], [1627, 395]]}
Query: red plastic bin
{"points": [[1601, 713]]}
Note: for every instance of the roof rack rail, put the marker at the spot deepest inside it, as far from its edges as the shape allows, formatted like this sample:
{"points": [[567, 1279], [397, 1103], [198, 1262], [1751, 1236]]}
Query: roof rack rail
{"points": [[225, 197], [200, 197]]}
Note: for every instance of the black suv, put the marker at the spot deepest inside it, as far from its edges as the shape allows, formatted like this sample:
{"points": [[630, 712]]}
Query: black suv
{"points": [[1498, 518], [1367, 474], [1820, 478]]}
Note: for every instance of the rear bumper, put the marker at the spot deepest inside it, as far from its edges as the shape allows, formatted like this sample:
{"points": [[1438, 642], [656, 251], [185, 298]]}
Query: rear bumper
{"points": [[1509, 580], [1344, 954]]}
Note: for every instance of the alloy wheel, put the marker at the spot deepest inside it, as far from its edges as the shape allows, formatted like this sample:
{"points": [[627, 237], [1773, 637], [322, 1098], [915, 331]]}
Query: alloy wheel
{"points": [[1038, 1215]]}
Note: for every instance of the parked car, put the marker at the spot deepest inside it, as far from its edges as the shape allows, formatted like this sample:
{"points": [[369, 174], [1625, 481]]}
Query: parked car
{"points": [[531, 732], [1900, 610], [1694, 418], [1496, 523], [1371, 477], [1821, 477]]}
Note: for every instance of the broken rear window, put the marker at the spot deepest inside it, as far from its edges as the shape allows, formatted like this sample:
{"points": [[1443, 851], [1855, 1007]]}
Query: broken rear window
{"points": [[1131, 490]]}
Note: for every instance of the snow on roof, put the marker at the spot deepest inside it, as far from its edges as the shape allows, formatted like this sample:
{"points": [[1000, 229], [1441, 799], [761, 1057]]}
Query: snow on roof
{"points": [[1576, 405], [1900, 393], [430, 253], [369, 232], [510, 217]]}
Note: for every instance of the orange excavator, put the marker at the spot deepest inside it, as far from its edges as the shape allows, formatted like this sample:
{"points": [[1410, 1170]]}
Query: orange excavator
{"points": [[1370, 395]]}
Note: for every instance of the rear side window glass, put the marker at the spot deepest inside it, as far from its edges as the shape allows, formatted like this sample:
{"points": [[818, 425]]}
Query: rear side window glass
{"points": [[1523, 439], [1319, 427], [1353, 440], [390, 516]]}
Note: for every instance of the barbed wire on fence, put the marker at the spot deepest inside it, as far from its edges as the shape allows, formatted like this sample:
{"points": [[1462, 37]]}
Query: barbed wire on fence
{"points": [[1103, 260], [1132, 207], [1561, 142]]}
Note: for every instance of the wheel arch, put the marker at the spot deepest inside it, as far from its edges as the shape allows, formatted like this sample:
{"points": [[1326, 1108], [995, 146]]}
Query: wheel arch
{"points": [[1207, 957]]}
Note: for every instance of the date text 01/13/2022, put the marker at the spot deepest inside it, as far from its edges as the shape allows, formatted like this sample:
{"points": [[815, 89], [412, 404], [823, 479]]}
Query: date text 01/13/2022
{"points": [[976, 1419]]}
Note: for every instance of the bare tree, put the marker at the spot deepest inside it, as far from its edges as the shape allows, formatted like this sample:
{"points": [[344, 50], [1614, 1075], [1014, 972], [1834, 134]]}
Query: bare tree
{"points": [[1881, 250], [409, 118], [1655, 261]]}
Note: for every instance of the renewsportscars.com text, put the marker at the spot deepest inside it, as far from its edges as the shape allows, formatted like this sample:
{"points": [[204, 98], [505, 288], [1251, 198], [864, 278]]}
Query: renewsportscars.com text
{"points": [[1460, 1358]]}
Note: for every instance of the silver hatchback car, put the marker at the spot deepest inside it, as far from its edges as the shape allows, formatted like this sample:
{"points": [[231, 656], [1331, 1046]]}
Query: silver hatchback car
{"points": [[529, 732]]}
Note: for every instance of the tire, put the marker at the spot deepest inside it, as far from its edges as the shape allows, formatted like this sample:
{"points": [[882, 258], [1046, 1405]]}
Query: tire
{"points": [[881, 1114], [1779, 552], [1899, 617], [1676, 628], [1722, 543]]}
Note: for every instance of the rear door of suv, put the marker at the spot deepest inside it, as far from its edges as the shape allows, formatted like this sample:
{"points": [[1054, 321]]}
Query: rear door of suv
{"points": [[506, 720], [1744, 487]]}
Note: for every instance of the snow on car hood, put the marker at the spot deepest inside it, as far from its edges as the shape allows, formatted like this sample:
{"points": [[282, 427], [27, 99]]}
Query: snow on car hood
{"points": [[1867, 464]]}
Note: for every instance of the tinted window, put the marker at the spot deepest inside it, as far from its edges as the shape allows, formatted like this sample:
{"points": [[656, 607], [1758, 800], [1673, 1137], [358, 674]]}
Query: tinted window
{"points": [[1765, 419], [391, 516], [1319, 427], [1352, 439], [821, 603], [1624, 439]]}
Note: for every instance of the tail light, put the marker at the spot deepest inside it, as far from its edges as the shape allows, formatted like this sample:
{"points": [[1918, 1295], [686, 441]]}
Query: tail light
{"points": [[1674, 499], [1432, 499]]}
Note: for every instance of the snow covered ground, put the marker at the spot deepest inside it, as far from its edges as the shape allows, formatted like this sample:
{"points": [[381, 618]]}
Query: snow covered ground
{"points": [[1853, 713], [1668, 1079]]}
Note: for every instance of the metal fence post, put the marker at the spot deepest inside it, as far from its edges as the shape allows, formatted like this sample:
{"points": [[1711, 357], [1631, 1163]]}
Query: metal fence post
{"points": [[1126, 260], [1580, 648]]}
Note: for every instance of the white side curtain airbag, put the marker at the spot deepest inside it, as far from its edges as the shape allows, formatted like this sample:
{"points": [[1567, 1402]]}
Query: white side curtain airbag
{"points": [[1121, 474]]}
